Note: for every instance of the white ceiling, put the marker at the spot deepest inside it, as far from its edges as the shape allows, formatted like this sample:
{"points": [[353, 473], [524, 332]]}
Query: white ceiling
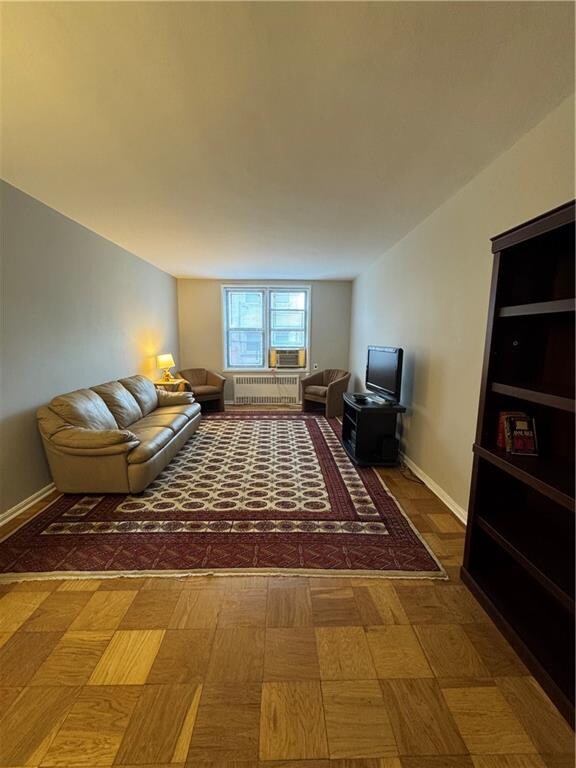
{"points": [[269, 140]]}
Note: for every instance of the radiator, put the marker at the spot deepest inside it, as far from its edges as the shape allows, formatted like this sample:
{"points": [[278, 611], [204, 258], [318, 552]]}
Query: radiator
{"points": [[264, 389]]}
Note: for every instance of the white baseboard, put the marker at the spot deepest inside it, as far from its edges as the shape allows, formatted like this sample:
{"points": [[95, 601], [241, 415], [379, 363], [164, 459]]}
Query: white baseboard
{"points": [[14, 511], [459, 511]]}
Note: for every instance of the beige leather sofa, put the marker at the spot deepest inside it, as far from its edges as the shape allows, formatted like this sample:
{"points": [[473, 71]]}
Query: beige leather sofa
{"points": [[117, 437]]}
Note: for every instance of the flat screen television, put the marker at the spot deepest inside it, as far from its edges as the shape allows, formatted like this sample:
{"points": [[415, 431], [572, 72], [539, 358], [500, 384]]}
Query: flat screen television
{"points": [[384, 372]]}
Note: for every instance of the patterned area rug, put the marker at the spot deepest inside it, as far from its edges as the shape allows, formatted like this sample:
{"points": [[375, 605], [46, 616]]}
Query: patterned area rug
{"points": [[250, 492]]}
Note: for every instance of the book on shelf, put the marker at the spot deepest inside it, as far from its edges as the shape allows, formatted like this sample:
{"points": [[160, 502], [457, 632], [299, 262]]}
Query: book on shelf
{"points": [[501, 441], [522, 435]]}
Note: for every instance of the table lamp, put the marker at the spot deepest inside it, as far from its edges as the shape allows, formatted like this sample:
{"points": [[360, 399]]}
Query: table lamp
{"points": [[165, 362]]}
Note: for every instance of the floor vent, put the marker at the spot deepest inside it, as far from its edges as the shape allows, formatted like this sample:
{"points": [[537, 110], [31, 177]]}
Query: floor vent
{"points": [[263, 389]]}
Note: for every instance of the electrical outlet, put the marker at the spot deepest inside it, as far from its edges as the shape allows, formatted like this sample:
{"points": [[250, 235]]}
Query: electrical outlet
{"points": [[315, 366]]}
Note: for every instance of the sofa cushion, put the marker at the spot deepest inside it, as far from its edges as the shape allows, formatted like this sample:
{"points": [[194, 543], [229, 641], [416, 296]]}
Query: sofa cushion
{"points": [[144, 392], [190, 411], [152, 439], [120, 402], [174, 421], [316, 391], [206, 389], [84, 408]]}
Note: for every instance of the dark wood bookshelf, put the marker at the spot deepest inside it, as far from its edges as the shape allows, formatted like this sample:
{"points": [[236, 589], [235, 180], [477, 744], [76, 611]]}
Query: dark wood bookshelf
{"points": [[540, 225], [519, 555], [535, 654]]}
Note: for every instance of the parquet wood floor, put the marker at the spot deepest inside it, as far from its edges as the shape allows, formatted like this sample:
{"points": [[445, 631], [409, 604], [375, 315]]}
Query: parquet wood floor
{"points": [[260, 672]]}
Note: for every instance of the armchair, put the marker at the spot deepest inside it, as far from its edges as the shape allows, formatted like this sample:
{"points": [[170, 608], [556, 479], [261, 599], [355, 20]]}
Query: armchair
{"points": [[207, 386], [327, 388]]}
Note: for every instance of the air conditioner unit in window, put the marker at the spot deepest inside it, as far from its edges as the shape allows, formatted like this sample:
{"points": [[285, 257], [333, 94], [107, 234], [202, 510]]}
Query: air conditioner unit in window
{"points": [[287, 358]]}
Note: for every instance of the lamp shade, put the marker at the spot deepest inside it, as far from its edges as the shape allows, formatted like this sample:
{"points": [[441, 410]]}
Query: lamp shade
{"points": [[165, 361]]}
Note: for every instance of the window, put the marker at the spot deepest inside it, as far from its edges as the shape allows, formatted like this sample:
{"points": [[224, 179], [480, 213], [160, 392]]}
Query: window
{"points": [[256, 319], [245, 329]]}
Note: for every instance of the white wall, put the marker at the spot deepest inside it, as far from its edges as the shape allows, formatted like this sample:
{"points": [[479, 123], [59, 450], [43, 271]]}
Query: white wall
{"points": [[200, 322], [429, 294], [76, 311]]}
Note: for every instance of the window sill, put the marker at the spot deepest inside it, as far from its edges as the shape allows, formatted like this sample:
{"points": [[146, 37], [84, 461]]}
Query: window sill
{"points": [[265, 370]]}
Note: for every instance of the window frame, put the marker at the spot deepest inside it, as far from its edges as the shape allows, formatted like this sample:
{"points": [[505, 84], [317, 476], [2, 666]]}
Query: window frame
{"points": [[266, 290]]}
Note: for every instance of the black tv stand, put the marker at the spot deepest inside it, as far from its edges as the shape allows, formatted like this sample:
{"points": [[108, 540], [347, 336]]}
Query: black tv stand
{"points": [[369, 429]]}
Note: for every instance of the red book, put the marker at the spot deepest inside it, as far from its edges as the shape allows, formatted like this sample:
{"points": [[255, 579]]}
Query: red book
{"points": [[501, 436]]}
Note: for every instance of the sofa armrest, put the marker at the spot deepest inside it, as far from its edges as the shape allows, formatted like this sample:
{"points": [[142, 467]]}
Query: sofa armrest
{"points": [[94, 441], [174, 398], [338, 387], [334, 395], [215, 379]]}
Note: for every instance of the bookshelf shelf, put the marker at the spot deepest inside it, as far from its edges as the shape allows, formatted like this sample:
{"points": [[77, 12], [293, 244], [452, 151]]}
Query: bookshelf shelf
{"points": [[519, 555], [526, 563], [544, 476], [538, 308], [533, 396]]}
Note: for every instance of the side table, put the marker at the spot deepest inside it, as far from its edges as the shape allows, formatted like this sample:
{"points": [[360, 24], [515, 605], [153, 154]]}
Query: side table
{"points": [[172, 385]]}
